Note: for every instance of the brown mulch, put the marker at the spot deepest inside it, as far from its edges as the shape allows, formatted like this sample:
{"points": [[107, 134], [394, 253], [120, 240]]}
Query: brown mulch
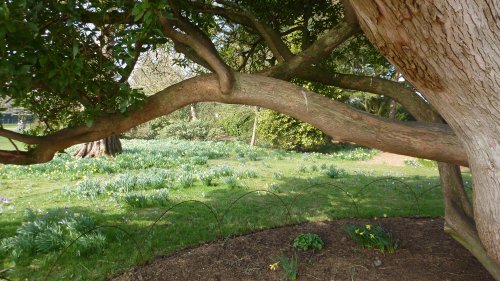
{"points": [[425, 253]]}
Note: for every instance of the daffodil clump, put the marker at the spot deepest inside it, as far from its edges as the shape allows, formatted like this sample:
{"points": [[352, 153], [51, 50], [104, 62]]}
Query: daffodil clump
{"points": [[372, 236]]}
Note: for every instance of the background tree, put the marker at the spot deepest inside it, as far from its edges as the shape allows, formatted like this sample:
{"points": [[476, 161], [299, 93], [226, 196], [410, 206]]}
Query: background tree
{"points": [[52, 63]]}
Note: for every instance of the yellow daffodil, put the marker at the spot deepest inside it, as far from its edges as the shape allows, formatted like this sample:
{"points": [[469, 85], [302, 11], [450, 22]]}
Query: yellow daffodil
{"points": [[356, 231], [385, 215], [274, 266], [362, 233], [368, 227], [372, 236]]}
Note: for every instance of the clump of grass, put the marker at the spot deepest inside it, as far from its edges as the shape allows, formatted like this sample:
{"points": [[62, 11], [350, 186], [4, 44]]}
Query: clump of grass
{"points": [[314, 168], [274, 187], [207, 178], [334, 172], [51, 232], [232, 182], [222, 171], [186, 180], [302, 169], [88, 188], [248, 174], [278, 175], [157, 198], [199, 160], [372, 236], [289, 265]]}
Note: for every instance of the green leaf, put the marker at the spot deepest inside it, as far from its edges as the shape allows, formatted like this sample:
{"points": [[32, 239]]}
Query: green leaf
{"points": [[138, 11], [75, 48], [89, 121]]}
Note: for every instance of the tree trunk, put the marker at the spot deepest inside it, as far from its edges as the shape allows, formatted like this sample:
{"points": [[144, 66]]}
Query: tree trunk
{"points": [[392, 109], [449, 50], [254, 129], [109, 146], [192, 110]]}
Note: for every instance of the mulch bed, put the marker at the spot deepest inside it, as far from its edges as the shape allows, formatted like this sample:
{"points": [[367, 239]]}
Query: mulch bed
{"points": [[425, 252]]}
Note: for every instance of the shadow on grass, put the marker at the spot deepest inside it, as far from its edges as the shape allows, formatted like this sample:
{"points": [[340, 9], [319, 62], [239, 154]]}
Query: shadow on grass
{"points": [[227, 212]]}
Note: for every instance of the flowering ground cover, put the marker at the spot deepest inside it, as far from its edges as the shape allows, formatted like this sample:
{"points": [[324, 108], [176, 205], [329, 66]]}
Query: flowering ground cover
{"points": [[90, 219]]}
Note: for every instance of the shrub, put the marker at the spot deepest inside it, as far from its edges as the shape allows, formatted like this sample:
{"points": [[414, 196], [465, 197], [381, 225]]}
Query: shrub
{"points": [[143, 131], [282, 131], [368, 236], [185, 130], [308, 241], [238, 122]]}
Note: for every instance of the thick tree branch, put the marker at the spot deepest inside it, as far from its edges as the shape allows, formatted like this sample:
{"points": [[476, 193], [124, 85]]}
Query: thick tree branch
{"points": [[425, 140], [21, 137], [203, 47], [397, 91], [316, 52]]}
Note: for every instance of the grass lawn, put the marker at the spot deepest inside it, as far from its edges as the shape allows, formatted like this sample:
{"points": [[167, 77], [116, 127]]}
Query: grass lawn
{"points": [[5, 143], [162, 196]]}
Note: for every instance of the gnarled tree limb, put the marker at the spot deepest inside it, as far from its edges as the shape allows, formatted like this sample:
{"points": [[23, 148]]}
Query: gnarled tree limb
{"points": [[202, 47], [425, 140]]}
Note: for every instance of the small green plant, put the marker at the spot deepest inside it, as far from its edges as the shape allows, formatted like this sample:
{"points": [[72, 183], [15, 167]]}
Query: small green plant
{"points": [[136, 200], [372, 236], [51, 232], [274, 187], [232, 182], [278, 175], [334, 172], [289, 266], [207, 178], [186, 180], [248, 174], [308, 241], [302, 169]]}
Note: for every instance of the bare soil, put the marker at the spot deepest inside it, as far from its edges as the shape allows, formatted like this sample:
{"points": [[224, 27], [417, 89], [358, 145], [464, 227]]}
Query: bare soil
{"points": [[425, 253]]}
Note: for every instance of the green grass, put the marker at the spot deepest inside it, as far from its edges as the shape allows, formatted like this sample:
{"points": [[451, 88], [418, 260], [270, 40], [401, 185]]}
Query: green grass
{"points": [[250, 189], [5, 144]]}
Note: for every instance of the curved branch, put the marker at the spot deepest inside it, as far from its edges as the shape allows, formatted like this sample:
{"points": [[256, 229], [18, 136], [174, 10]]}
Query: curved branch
{"points": [[407, 97], [316, 52], [21, 137], [203, 48], [425, 140]]}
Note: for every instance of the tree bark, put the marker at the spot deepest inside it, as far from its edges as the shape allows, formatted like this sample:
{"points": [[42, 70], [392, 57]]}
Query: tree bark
{"points": [[418, 139], [109, 146], [449, 50], [254, 128]]}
